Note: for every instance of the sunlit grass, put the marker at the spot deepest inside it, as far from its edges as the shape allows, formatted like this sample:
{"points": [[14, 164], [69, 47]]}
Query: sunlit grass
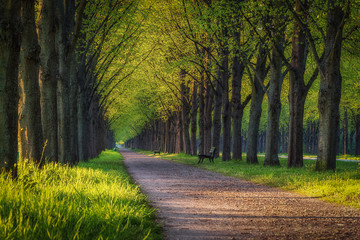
{"points": [[341, 186], [95, 200]]}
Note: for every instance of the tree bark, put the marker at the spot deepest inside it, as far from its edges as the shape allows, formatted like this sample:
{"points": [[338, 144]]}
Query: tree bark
{"points": [[185, 113], [274, 103], [30, 111], [330, 90], [208, 109], [257, 96], [357, 136], [297, 93], [237, 108], [201, 121], [215, 142], [345, 134], [73, 113], [10, 40], [226, 107], [194, 117], [47, 26], [66, 39], [63, 13], [179, 135]]}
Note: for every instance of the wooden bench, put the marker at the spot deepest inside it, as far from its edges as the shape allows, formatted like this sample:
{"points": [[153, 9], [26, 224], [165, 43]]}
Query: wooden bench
{"points": [[157, 151], [210, 156]]}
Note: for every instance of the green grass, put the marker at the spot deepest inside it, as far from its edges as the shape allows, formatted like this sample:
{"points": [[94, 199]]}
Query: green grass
{"points": [[95, 200], [341, 186]]}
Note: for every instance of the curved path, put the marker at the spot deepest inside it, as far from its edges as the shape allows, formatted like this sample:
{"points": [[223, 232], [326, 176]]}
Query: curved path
{"points": [[197, 204]]}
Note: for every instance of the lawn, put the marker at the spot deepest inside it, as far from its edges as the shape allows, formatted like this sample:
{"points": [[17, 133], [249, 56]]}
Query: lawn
{"points": [[341, 186], [94, 200]]}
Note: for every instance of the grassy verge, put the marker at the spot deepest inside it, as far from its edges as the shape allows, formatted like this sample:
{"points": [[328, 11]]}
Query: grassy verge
{"points": [[95, 200], [341, 187]]}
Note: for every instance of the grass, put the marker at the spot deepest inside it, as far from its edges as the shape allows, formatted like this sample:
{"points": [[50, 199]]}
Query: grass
{"points": [[94, 200], [341, 186]]}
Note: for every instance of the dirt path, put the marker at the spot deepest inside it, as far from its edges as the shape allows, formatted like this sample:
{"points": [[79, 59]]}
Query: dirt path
{"points": [[198, 204]]}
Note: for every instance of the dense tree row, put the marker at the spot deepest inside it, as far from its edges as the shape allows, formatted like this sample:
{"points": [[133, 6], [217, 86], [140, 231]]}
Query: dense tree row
{"points": [[222, 55], [56, 76]]}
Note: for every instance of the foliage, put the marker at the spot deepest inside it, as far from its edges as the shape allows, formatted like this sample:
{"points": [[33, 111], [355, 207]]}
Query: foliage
{"points": [[95, 200]]}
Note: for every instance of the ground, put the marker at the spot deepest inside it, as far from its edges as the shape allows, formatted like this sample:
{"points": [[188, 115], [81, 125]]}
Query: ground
{"points": [[197, 204]]}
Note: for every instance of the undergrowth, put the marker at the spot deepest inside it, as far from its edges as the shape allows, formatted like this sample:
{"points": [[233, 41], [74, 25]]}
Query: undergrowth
{"points": [[341, 186], [95, 200]]}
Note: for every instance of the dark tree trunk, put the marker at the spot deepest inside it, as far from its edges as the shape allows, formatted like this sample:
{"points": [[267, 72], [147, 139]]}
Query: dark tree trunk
{"points": [[297, 94], [330, 90], [10, 40], [226, 108], [73, 114], [185, 116], [208, 115], [83, 125], [62, 40], [48, 77], [215, 142], [30, 112], [179, 135], [357, 136], [257, 96], [345, 134], [194, 117], [237, 108], [274, 105], [66, 39], [202, 115]]}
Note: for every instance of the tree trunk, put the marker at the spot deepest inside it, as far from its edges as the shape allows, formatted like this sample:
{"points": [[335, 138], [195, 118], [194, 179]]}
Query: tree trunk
{"points": [[73, 113], [274, 105], [10, 41], [237, 109], [30, 113], [185, 114], [179, 135], [63, 84], [226, 108], [357, 136], [330, 90], [297, 96], [194, 117], [257, 96], [215, 142], [345, 134], [208, 114], [202, 114], [83, 125], [48, 77], [297, 93]]}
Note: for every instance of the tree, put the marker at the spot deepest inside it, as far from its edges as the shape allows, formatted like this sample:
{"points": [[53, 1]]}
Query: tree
{"points": [[10, 40], [330, 86], [31, 141], [48, 26], [257, 96], [66, 39], [277, 36]]}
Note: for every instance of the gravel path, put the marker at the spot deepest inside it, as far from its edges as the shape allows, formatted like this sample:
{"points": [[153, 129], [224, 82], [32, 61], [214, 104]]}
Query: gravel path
{"points": [[197, 204]]}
